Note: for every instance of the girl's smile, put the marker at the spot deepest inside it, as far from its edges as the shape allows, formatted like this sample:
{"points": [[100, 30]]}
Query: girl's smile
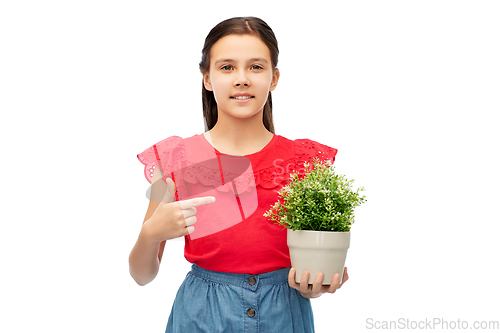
{"points": [[242, 97]]}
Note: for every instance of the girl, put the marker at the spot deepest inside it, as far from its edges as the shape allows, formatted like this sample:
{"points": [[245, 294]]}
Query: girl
{"points": [[241, 279]]}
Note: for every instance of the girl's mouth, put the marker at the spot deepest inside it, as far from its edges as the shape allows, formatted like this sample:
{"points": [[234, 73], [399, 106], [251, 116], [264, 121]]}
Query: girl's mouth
{"points": [[242, 97]]}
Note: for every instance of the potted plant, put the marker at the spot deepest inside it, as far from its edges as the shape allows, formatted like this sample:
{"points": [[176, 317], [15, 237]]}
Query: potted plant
{"points": [[318, 211]]}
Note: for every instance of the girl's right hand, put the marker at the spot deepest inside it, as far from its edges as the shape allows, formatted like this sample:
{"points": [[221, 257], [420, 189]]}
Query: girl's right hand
{"points": [[171, 218]]}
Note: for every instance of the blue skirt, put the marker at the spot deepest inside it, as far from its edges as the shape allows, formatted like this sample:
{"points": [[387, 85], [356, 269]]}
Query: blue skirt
{"points": [[210, 302]]}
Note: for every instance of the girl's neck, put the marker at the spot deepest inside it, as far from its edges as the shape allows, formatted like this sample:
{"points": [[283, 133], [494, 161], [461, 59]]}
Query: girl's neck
{"points": [[238, 143]]}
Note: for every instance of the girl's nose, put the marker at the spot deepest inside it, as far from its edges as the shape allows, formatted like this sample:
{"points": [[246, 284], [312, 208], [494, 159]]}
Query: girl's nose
{"points": [[241, 80]]}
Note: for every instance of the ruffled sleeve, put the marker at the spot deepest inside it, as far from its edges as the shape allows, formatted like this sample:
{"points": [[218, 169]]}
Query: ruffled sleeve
{"points": [[306, 150], [166, 154], [295, 154]]}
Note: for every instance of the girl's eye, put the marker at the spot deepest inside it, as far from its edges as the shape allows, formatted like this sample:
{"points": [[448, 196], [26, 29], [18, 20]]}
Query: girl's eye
{"points": [[229, 67]]}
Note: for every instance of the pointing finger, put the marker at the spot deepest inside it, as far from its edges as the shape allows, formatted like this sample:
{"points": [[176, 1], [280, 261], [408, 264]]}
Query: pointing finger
{"points": [[186, 204]]}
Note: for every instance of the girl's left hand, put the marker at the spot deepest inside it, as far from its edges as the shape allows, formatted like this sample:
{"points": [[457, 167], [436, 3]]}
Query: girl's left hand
{"points": [[316, 289]]}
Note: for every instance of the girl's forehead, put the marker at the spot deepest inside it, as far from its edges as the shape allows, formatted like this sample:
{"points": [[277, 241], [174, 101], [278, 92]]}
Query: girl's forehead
{"points": [[239, 47]]}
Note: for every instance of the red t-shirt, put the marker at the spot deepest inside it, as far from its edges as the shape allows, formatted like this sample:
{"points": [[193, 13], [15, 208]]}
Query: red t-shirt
{"points": [[231, 235]]}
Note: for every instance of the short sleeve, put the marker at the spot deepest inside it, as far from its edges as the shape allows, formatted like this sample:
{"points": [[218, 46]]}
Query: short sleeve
{"points": [[166, 154], [306, 150]]}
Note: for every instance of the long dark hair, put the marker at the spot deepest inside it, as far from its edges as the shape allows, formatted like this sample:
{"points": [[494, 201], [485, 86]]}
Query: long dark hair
{"points": [[239, 26]]}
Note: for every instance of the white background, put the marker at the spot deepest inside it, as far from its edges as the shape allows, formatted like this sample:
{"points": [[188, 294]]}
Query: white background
{"points": [[407, 91]]}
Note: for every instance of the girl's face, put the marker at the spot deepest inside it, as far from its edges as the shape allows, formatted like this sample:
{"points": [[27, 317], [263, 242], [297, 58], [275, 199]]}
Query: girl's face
{"points": [[241, 75]]}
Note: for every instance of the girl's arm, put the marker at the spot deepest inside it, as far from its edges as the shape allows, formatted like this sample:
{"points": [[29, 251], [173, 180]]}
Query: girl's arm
{"points": [[145, 257], [165, 219]]}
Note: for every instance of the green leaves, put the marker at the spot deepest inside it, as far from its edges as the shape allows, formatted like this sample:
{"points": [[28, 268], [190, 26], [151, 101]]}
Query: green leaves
{"points": [[321, 201]]}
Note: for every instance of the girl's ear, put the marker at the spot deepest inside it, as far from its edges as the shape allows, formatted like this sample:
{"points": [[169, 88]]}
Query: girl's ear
{"points": [[207, 82], [276, 77]]}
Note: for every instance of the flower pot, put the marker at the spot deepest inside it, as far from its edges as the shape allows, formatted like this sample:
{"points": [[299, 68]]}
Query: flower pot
{"points": [[316, 251]]}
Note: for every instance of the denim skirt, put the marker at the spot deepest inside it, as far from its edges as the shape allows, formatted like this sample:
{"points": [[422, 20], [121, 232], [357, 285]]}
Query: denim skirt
{"points": [[210, 302]]}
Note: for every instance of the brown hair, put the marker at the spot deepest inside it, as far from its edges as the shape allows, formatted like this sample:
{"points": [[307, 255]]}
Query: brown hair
{"points": [[239, 26]]}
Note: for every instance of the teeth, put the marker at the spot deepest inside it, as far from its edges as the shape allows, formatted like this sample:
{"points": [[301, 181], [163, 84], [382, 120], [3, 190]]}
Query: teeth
{"points": [[242, 97]]}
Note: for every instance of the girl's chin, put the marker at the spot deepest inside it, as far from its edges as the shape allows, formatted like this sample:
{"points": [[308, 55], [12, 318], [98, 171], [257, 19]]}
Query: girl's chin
{"points": [[241, 113]]}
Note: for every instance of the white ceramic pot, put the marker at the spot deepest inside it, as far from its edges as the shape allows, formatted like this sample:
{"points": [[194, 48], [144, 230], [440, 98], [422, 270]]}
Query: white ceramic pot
{"points": [[315, 251]]}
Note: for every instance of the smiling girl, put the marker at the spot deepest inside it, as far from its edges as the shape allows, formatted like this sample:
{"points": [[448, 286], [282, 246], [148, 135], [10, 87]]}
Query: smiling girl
{"points": [[241, 279]]}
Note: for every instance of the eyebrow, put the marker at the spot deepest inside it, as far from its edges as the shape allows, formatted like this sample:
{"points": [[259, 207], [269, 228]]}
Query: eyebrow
{"points": [[232, 60]]}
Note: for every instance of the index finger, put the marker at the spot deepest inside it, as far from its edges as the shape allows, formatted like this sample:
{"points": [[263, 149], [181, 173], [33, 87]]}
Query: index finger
{"points": [[189, 203]]}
